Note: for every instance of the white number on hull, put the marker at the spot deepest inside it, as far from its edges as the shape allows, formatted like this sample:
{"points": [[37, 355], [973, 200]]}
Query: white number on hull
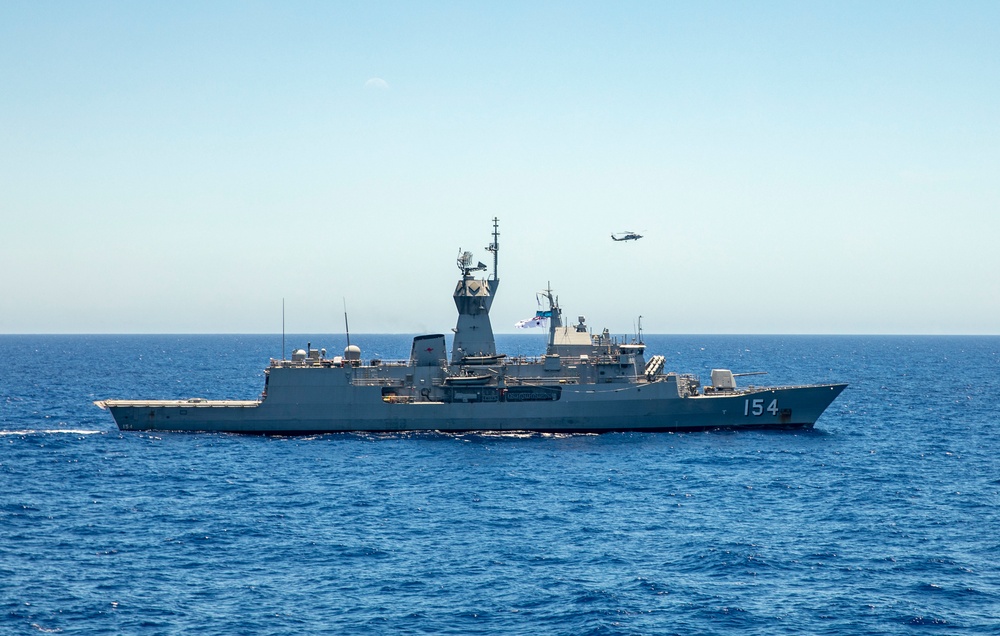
{"points": [[756, 407]]}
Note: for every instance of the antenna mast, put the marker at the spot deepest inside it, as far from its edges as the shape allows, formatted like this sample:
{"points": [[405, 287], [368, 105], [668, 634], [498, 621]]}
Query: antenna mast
{"points": [[494, 247], [282, 328], [347, 327]]}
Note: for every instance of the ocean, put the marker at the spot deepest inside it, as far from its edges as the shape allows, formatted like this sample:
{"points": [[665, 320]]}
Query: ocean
{"points": [[881, 520]]}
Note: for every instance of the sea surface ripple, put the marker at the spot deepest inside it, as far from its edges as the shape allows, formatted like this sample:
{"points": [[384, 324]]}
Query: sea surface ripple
{"points": [[882, 520]]}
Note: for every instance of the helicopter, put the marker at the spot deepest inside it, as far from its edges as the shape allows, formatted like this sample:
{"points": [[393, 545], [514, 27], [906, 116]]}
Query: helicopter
{"points": [[626, 236]]}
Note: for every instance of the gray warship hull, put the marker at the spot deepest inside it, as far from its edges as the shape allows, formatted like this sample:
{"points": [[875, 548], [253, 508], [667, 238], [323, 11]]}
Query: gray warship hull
{"points": [[585, 383], [577, 410]]}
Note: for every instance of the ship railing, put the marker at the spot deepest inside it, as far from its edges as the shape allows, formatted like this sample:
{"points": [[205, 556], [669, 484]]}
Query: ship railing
{"points": [[599, 359], [540, 381], [378, 382], [519, 360], [612, 359], [327, 362], [300, 364]]}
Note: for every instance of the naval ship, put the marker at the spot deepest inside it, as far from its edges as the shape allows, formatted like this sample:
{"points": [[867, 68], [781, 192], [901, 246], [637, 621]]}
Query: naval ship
{"points": [[584, 383]]}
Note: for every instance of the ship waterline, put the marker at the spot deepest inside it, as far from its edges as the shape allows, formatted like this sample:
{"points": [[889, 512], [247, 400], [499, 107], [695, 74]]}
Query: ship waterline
{"points": [[797, 407]]}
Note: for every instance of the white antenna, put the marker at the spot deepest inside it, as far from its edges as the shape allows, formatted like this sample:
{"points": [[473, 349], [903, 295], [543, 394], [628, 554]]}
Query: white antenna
{"points": [[282, 328], [347, 327]]}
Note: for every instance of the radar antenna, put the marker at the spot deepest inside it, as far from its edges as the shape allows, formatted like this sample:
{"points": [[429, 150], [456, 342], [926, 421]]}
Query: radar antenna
{"points": [[464, 262]]}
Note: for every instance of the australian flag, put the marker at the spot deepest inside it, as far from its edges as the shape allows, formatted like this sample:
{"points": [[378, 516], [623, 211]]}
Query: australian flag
{"points": [[540, 319]]}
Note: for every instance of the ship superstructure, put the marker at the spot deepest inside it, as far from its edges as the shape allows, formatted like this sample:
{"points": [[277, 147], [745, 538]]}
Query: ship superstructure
{"points": [[585, 382]]}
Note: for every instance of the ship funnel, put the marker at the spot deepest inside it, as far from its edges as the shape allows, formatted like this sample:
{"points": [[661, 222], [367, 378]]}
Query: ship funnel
{"points": [[428, 351]]}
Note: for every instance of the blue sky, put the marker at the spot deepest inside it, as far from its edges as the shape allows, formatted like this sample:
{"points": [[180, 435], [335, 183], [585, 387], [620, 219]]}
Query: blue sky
{"points": [[800, 167]]}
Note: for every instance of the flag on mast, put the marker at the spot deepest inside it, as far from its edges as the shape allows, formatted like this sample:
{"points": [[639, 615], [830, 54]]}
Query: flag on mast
{"points": [[540, 319]]}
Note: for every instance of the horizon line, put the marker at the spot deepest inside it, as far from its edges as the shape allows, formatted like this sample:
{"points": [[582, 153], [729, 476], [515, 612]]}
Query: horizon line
{"points": [[502, 333]]}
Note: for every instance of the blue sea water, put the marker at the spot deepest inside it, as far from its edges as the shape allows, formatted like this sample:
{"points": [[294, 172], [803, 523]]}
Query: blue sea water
{"points": [[882, 520]]}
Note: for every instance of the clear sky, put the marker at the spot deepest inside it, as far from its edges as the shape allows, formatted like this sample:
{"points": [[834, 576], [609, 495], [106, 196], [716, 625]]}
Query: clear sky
{"points": [[795, 167]]}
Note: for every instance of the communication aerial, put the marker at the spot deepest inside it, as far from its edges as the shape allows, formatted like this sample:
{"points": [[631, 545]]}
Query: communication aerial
{"points": [[464, 262]]}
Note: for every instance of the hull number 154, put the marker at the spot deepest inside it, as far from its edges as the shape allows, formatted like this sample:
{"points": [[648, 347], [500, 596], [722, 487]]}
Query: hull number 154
{"points": [[756, 407]]}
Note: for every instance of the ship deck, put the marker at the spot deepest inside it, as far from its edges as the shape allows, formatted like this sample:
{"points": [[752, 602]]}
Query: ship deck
{"points": [[195, 404]]}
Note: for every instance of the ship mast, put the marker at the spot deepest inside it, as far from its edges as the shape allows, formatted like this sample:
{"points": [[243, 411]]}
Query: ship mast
{"points": [[494, 248], [555, 317], [473, 298]]}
